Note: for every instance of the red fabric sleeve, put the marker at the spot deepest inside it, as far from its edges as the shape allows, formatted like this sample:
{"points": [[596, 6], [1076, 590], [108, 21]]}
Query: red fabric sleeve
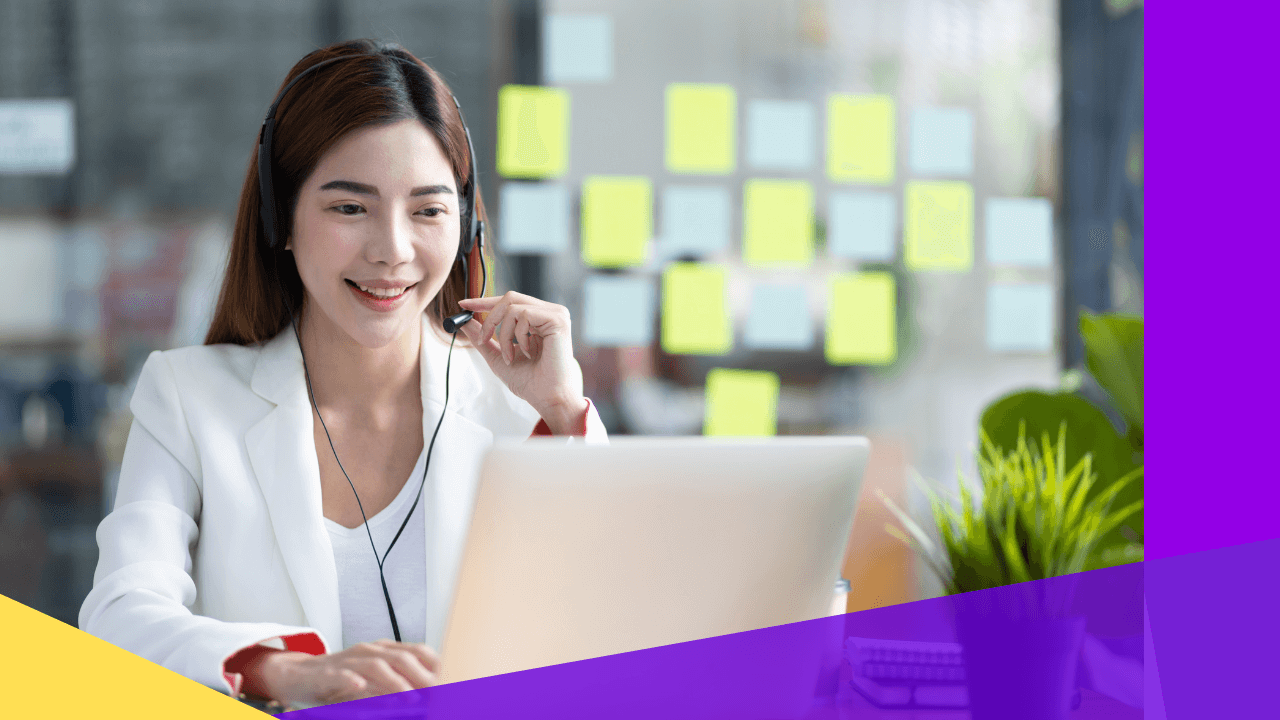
{"points": [[233, 667], [544, 430]]}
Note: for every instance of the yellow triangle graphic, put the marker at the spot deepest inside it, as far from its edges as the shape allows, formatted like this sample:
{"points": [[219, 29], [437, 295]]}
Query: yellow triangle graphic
{"points": [[49, 669]]}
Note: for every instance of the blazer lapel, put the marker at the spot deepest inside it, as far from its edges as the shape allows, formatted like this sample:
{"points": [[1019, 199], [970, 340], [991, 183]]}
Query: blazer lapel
{"points": [[282, 451]]}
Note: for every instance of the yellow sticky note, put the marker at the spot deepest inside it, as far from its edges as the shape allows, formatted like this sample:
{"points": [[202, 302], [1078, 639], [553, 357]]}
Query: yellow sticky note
{"points": [[533, 131], [777, 222], [617, 220], [860, 138], [701, 122], [695, 320], [862, 320], [741, 402], [937, 232]]}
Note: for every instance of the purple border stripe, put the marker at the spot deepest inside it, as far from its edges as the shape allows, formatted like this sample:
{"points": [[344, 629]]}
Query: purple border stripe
{"points": [[1086, 649], [1215, 627], [1211, 112]]}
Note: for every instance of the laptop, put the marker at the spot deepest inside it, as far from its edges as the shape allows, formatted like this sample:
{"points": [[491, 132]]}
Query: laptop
{"points": [[579, 551]]}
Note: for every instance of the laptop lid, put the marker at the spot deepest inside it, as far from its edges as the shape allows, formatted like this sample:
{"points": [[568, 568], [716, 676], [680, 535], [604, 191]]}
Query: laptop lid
{"points": [[579, 551]]}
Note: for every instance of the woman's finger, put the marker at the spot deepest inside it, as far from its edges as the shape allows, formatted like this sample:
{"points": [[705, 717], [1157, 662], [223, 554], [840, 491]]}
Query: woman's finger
{"points": [[340, 685], [523, 335], [428, 657], [506, 335], [408, 666], [382, 677], [494, 319]]}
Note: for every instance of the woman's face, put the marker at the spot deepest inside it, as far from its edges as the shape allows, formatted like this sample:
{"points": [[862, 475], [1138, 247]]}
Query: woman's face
{"points": [[380, 212]]}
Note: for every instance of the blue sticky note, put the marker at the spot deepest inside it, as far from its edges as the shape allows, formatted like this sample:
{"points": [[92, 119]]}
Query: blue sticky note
{"points": [[695, 221], [780, 135], [941, 142], [1020, 318], [779, 319], [618, 311], [577, 48], [535, 218], [863, 225], [1020, 231]]}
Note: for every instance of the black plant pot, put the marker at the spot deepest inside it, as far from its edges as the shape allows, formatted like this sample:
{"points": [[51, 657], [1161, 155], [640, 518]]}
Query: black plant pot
{"points": [[1019, 670]]}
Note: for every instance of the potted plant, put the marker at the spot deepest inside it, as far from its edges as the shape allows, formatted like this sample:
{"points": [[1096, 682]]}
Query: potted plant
{"points": [[1029, 517], [1114, 360]]}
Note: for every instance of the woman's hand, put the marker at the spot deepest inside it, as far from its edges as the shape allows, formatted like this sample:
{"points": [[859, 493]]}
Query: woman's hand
{"points": [[528, 344], [360, 671]]}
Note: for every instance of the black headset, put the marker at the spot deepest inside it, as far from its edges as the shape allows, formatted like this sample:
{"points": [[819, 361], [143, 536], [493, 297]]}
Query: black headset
{"points": [[470, 248]]}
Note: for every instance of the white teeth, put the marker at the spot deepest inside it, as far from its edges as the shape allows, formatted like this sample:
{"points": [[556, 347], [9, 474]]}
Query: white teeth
{"points": [[382, 292]]}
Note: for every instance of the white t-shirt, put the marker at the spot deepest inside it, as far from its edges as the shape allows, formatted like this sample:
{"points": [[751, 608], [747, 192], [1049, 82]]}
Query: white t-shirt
{"points": [[364, 608]]}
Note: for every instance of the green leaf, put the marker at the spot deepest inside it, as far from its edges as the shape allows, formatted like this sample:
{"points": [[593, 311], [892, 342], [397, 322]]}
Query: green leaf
{"points": [[1114, 355], [1090, 432]]}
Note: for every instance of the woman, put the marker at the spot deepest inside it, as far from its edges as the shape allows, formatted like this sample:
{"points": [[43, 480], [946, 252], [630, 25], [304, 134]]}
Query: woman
{"points": [[329, 418]]}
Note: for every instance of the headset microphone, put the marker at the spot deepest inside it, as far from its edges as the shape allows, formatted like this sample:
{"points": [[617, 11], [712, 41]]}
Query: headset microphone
{"points": [[470, 252]]}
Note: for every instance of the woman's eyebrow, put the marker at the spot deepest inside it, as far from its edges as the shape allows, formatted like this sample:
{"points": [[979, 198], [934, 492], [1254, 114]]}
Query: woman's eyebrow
{"points": [[362, 189]]}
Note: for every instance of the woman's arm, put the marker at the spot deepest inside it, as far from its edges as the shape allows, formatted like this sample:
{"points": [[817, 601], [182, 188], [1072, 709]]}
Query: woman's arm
{"points": [[143, 590]]}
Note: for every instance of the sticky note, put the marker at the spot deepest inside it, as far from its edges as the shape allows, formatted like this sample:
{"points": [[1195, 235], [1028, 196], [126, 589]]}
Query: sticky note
{"points": [[533, 131], [535, 218], [695, 221], [779, 319], [701, 122], [862, 225], [618, 311], [937, 231], [695, 320], [577, 48], [741, 403], [860, 138], [31, 296], [1019, 231], [37, 136], [862, 319], [941, 142], [1020, 318], [777, 222], [780, 135], [617, 220]]}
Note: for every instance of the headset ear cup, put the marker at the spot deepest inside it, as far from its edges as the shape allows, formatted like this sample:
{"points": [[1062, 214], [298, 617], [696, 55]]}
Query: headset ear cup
{"points": [[265, 188]]}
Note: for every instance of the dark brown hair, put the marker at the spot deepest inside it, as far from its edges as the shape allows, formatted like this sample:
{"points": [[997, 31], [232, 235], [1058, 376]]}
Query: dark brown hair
{"points": [[374, 89]]}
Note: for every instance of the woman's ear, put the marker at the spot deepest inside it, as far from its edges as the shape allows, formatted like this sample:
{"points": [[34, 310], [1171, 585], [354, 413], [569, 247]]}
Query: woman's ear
{"points": [[288, 243]]}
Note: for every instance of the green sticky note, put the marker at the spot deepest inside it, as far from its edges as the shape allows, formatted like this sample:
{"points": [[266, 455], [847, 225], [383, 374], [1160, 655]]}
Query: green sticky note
{"points": [[862, 320], [701, 122], [617, 220], [695, 320], [860, 138], [777, 222], [533, 131], [937, 231], [741, 403]]}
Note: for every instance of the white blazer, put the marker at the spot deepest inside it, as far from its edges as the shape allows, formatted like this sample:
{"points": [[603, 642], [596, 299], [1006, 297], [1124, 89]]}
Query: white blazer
{"points": [[217, 539]]}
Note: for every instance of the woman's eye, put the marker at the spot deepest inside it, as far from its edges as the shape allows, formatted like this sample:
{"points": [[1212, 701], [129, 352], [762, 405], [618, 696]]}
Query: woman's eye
{"points": [[348, 209], [432, 211]]}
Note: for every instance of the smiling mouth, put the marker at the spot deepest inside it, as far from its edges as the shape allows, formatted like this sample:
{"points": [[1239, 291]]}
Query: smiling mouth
{"points": [[381, 293]]}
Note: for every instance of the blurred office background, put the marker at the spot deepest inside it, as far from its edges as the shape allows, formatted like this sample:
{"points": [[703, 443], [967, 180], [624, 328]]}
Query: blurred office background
{"points": [[126, 127]]}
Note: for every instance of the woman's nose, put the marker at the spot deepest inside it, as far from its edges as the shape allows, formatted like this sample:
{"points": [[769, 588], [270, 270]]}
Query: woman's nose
{"points": [[392, 243]]}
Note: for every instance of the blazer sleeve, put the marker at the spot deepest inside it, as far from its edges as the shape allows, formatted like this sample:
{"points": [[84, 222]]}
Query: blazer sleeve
{"points": [[143, 593], [590, 427]]}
